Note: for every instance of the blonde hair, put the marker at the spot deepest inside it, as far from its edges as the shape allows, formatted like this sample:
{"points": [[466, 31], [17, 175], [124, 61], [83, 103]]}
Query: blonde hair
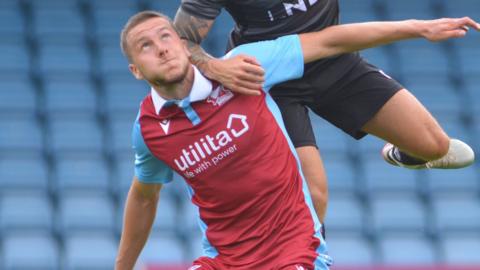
{"points": [[136, 20]]}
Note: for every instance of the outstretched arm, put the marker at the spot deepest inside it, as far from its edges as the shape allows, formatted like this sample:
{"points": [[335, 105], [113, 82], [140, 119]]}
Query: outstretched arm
{"points": [[353, 37], [241, 73], [140, 210]]}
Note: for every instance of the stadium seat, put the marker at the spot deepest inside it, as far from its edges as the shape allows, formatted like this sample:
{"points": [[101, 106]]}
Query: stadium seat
{"points": [[395, 212], [20, 133], [340, 174], [345, 213], [81, 212], [48, 21], [162, 249], [121, 126], [419, 58], [436, 93], [329, 138], [124, 94], [112, 59], [460, 248], [15, 58], [351, 249], [17, 95], [407, 249], [355, 11], [11, 20], [168, 8], [69, 96], [403, 10], [166, 219], [21, 211], [109, 22], [447, 181], [67, 58], [90, 251], [462, 8], [81, 172], [456, 211], [467, 58], [75, 132], [30, 251], [123, 173], [381, 176], [19, 172]]}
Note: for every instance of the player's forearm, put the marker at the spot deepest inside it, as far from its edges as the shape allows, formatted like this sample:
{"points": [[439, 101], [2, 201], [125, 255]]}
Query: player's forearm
{"points": [[354, 37], [138, 220], [194, 30]]}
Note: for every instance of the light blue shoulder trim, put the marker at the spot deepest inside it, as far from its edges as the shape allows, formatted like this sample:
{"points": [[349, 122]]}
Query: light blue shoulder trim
{"points": [[281, 58], [148, 168]]}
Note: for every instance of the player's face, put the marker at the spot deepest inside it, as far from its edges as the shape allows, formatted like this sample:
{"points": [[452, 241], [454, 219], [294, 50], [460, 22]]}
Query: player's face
{"points": [[157, 52]]}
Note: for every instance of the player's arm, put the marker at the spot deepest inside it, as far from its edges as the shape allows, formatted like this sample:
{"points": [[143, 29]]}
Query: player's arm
{"points": [[241, 73], [353, 37], [140, 209]]}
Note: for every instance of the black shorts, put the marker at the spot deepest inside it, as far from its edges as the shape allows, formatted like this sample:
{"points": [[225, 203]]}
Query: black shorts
{"points": [[347, 98]]}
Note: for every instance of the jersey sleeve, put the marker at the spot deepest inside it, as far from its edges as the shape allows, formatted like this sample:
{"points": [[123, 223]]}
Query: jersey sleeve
{"points": [[148, 168], [281, 58], [205, 9]]}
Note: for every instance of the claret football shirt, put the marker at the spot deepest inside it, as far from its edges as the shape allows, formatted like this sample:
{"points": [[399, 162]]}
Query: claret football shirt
{"points": [[232, 150]]}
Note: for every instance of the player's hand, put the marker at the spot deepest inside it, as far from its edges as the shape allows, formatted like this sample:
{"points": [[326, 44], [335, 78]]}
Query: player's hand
{"points": [[442, 29], [241, 74]]}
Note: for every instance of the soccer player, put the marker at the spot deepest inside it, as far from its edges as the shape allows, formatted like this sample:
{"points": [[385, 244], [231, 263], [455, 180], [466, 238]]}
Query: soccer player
{"points": [[345, 90], [231, 149]]}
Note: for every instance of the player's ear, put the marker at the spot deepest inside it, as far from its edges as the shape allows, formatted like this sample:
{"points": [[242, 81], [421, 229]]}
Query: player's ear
{"points": [[185, 47], [136, 73]]}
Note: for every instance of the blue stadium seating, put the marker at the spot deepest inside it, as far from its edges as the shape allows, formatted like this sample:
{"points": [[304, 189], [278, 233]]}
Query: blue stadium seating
{"points": [[351, 249], [15, 176], [87, 173], [340, 174], [345, 213], [67, 106], [25, 211], [75, 132], [50, 21], [85, 212], [407, 249], [447, 181], [64, 58], [17, 95], [460, 248], [164, 249], [90, 251], [69, 96], [456, 212], [381, 177], [20, 132], [30, 251], [14, 57], [394, 212]]}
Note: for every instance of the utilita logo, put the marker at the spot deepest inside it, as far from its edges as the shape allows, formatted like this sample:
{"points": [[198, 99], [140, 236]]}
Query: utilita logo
{"points": [[210, 145]]}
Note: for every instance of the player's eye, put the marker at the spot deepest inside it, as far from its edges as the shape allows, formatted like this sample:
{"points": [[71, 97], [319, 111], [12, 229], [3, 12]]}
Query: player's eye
{"points": [[165, 36], [145, 45]]}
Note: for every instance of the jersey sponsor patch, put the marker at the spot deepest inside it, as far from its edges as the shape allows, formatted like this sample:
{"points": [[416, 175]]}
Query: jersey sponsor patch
{"points": [[219, 96]]}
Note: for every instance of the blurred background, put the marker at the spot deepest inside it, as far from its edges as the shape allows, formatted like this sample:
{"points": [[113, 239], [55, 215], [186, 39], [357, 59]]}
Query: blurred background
{"points": [[68, 102]]}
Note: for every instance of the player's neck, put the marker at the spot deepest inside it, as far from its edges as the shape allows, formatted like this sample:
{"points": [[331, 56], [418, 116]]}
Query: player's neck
{"points": [[177, 90]]}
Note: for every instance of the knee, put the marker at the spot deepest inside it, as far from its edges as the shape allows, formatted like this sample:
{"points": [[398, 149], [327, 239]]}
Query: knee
{"points": [[439, 144]]}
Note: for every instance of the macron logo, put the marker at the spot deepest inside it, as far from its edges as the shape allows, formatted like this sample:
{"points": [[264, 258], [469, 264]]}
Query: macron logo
{"points": [[165, 124]]}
